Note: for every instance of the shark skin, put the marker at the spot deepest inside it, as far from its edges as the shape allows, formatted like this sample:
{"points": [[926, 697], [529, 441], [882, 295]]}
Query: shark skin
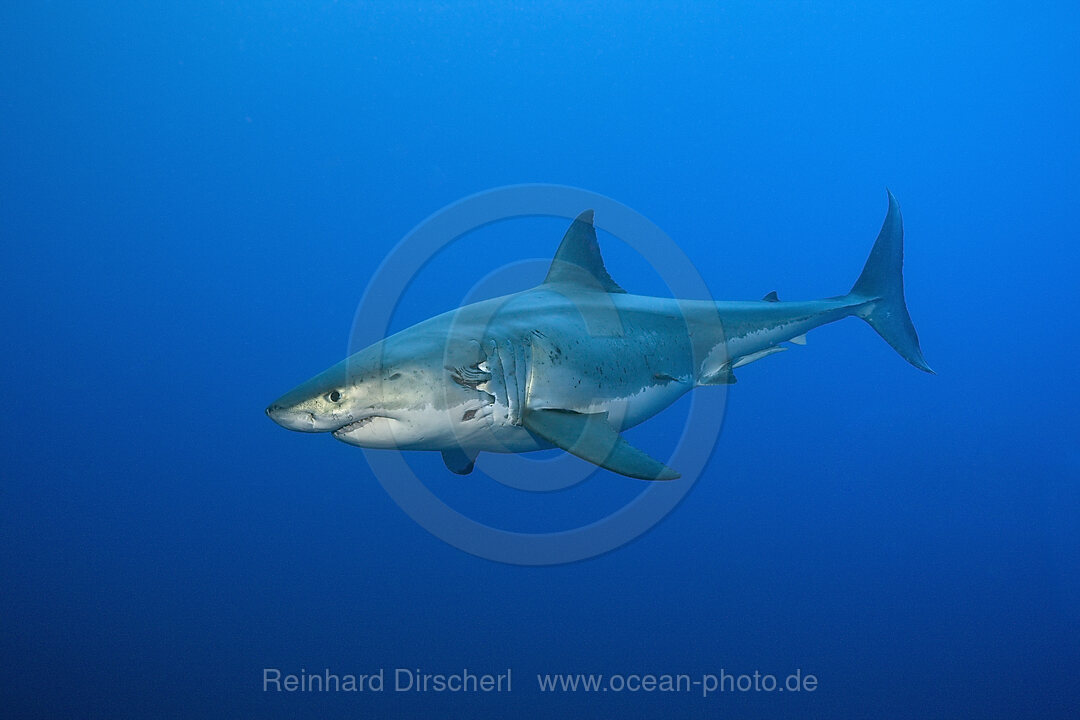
{"points": [[574, 361]]}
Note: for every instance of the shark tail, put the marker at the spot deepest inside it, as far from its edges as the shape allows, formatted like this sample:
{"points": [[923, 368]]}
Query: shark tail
{"points": [[880, 288]]}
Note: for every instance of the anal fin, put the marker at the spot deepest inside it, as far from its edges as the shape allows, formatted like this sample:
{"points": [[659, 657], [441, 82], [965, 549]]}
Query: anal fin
{"points": [[591, 437]]}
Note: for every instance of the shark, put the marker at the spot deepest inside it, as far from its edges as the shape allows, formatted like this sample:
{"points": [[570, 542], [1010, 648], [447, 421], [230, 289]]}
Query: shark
{"points": [[574, 361]]}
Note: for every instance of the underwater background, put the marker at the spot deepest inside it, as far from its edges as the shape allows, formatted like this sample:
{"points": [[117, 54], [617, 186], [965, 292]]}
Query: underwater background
{"points": [[194, 196]]}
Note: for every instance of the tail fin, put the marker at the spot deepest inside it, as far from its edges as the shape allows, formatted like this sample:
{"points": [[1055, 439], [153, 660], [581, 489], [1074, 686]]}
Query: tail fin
{"points": [[882, 285]]}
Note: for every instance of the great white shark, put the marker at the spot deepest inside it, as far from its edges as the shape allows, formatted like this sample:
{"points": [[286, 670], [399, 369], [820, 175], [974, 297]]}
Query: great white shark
{"points": [[573, 361]]}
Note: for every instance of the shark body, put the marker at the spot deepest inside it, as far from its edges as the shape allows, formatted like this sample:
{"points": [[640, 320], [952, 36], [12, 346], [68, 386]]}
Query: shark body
{"points": [[573, 361]]}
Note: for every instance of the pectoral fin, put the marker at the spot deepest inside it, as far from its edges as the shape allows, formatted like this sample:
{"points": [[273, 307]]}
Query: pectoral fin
{"points": [[458, 461], [591, 437]]}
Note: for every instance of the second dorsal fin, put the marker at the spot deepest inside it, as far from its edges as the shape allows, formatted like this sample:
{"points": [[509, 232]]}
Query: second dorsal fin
{"points": [[578, 260]]}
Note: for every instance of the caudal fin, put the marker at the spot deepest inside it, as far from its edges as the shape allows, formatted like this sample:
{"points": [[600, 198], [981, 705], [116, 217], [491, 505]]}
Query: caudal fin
{"points": [[881, 284]]}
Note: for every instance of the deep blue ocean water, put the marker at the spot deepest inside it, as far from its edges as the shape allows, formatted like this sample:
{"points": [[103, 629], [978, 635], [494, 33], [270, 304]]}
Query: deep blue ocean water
{"points": [[194, 196]]}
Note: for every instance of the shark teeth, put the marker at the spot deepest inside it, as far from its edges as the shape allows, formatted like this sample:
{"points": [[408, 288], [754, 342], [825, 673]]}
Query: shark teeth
{"points": [[346, 429]]}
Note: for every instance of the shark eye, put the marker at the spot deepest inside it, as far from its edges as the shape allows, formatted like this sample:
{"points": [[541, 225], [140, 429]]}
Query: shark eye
{"points": [[333, 396]]}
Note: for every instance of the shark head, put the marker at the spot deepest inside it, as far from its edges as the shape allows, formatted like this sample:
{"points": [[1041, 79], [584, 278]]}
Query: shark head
{"points": [[364, 400], [390, 395]]}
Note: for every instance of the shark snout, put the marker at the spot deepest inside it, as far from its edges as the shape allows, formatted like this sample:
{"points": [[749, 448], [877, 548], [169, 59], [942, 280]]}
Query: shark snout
{"points": [[293, 419]]}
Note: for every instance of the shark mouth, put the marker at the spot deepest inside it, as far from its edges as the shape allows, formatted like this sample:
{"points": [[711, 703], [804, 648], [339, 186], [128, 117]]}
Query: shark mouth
{"points": [[355, 425], [346, 429]]}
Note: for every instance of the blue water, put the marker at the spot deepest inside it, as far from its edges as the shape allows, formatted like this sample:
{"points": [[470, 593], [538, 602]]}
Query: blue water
{"points": [[195, 195]]}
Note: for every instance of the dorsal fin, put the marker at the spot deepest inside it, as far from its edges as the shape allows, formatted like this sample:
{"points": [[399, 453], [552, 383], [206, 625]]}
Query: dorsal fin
{"points": [[771, 297], [578, 258]]}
